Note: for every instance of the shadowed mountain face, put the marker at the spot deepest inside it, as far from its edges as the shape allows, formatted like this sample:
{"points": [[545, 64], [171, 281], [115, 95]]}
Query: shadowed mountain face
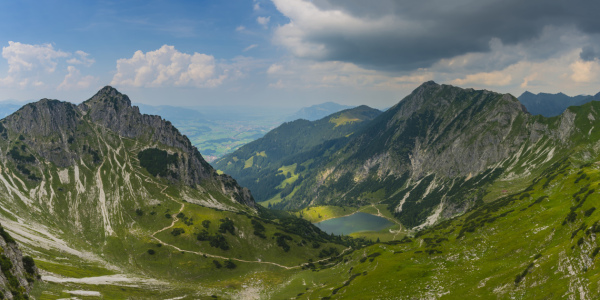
{"points": [[550, 105]]}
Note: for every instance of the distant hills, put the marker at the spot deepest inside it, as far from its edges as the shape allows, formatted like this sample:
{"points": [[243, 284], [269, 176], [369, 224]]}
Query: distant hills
{"points": [[8, 107], [217, 131], [174, 114], [550, 105], [318, 111]]}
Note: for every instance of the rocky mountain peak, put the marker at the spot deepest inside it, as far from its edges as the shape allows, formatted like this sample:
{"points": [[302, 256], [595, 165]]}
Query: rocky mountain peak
{"points": [[60, 133], [108, 94]]}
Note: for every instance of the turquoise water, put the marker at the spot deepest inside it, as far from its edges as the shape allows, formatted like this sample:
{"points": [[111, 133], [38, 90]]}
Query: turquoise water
{"points": [[353, 223]]}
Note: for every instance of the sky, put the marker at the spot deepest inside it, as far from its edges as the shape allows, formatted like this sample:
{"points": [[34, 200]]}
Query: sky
{"points": [[294, 53]]}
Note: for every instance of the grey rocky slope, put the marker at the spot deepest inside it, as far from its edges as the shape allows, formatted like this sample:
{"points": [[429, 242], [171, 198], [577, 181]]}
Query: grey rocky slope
{"points": [[53, 130], [17, 273]]}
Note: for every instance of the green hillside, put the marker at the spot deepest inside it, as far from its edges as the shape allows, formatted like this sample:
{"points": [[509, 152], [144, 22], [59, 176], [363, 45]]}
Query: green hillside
{"points": [[536, 243], [274, 164]]}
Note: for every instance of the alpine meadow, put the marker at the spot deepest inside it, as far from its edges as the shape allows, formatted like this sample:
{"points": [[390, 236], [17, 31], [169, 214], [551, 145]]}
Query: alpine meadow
{"points": [[298, 149]]}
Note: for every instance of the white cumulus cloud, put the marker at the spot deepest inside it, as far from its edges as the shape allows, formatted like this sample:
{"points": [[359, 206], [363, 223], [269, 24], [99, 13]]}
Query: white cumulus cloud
{"points": [[81, 59], [168, 67], [25, 57], [264, 21], [36, 65], [75, 81]]}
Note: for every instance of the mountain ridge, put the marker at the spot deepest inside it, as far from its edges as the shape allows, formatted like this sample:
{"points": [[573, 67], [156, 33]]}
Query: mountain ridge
{"points": [[416, 155], [550, 105], [111, 110]]}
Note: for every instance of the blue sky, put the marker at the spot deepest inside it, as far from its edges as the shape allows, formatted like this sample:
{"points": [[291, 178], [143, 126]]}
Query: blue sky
{"points": [[293, 52]]}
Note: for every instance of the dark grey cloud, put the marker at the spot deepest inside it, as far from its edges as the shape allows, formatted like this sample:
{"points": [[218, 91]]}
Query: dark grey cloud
{"points": [[589, 53], [423, 32]]}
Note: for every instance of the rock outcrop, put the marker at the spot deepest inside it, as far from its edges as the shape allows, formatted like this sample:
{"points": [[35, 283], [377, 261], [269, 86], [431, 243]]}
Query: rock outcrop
{"points": [[17, 273]]}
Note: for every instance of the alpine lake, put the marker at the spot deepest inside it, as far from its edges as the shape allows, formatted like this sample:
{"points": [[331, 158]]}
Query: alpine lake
{"points": [[356, 222]]}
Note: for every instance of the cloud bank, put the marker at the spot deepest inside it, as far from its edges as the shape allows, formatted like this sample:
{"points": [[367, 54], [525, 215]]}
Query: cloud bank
{"points": [[406, 35], [167, 67]]}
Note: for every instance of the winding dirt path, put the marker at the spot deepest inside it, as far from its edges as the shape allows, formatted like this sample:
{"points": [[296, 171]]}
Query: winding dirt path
{"points": [[175, 219], [379, 214]]}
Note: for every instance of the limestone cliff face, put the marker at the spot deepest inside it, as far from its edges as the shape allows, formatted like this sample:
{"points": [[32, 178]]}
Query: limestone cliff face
{"points": [[17, 273], [448, 131], [65, 134]]}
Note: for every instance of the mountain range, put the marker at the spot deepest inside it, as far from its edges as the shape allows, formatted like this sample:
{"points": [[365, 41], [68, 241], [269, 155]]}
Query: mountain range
{"points": [[430, 157], [487, 201], [550, 105]]}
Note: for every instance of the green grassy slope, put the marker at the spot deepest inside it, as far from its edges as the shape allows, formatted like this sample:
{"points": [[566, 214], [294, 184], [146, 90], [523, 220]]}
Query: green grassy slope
{"points": [[538, 243]]}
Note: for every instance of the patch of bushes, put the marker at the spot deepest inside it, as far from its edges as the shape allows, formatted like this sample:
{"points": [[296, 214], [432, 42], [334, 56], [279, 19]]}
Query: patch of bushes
{"points": [[331, 251], [203, 236], [6, 266], [229, 264], [15, 154], [217, 264], [582, 227], [281, 238], [177, 231], [206, 224], [29, 264], [226, 226], [219, 241], [7, 238], [522, 275], [589, 212], [187, 221], [595, 252], [259, 229], [157, 161]]}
